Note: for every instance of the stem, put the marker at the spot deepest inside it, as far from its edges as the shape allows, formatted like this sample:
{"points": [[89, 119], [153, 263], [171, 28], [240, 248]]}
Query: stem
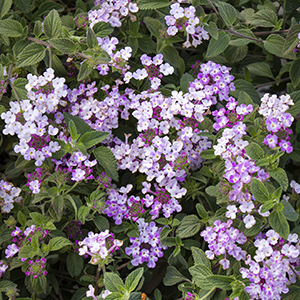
{"points": [[15, 92], [50, 57], [242, 35], [270, 32], [214, 8], [73, 187], [8, 78], [271, 82], [96, 280], [122, 266]]}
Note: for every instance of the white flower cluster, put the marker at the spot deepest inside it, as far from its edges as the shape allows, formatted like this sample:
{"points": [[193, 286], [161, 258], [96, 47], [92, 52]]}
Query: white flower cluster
{"points": [[8, 195]]}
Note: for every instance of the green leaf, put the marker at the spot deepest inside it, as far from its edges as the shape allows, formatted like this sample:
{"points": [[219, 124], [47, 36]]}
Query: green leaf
{"points": [[189, 226], [261, 69], [108, 161], [200, 257], [185, 82], [4, 7], [201, 211], [85, 70], [295, 109], [75, 264], [280, 176], [200, 272], [59, 242], [173, 276], [113, 282], [90, 139], [21, 218], [220, 281], [267, 206], [58, 205], [101, 223], [154, 26], [81, 126], [82, 213], [11, 28], [227, 12], [295, 72], [293, 294], [133, 279], [52, 25], [279, 223], [216, 47], [171, 55], [264, 18], [91, 38], [259, 191], [254, 230], [291, 40], [208, 154], [289, 211], [19, 88], [65, 46], [102, 29], [39, 284], [7, 285], [24, 5], [31, 55], [254, 151], [47, 6], [274, 44], [247, 87], [152, 4], [212, 29], [147, 45], [237, 40], [38, 218]]}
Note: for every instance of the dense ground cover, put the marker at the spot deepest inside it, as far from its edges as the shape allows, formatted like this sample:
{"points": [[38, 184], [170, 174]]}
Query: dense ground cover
{"points": [[149, 149]]}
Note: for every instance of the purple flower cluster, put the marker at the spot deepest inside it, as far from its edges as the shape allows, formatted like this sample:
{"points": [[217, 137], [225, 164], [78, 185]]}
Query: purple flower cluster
{"points": [[112, 11], [277, 121], [37, 268], [147, 247], [20, 236], [190, 296], [222, 239], [154, 69], [272, 269], [3, 267], [8, 195], [28, 120], [184, 19], [99, 246], [118, 58]]}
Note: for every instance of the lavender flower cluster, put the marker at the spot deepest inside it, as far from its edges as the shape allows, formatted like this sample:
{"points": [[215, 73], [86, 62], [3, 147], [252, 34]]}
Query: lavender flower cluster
{"points": [[272, 269], [147, 247], [99, 246], [184, 19], [8, 195], [112, 11], [222, 239]]}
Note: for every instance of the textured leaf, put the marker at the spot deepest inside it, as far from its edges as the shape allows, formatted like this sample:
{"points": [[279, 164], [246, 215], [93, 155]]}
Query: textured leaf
{"points": [[19, 85], [173, 276], [279, 223], [185, 82], [24, 5], [259, 191], [85, 70], [47, 6], [216, 47], [133, 279], [154, 26], [101, 223], [91, 38], [6, 285], [264, 18], [52, 25], [261, 69], [152, 4], [274, 44], [241, 41], [200, 257], [31, 55], [295, 72], [247, 87], [212, 29], [254, 151], [74, 264], [90, 139], [108, 161], [220, 281], [113, 282], [11, 28], [289, 211], [172, 56], [102, 29], [4, 7], [227, 12], [189, 226], [59, 242], [81, 126], [65, 46], [291, 40], [280, 176], [82, 213]]}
